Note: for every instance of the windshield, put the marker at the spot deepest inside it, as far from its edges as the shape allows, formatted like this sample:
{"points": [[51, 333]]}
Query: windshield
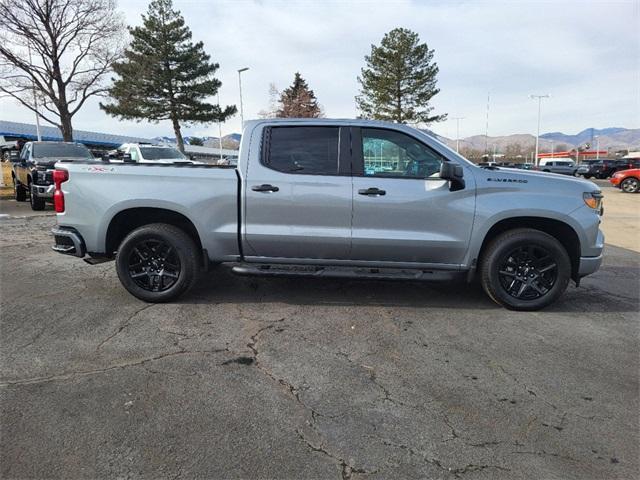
{"points": [[60, 150], [161, 153]]}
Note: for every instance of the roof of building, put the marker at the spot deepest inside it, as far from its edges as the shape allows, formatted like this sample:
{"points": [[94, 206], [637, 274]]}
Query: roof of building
{"points": [[28, 130], [47, 133]]}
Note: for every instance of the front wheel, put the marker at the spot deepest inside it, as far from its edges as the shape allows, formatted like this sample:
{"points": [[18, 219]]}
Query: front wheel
{"points": [[630, 185], [157, 262], [525, 269], [37, 203]]}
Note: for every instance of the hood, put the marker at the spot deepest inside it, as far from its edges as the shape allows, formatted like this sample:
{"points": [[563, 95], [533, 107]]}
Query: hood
{"points": [[533, 179]]}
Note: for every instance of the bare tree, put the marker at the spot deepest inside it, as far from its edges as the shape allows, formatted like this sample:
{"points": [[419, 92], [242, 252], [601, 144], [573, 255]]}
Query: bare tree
{"points": [[59, 51], [274, 103]]}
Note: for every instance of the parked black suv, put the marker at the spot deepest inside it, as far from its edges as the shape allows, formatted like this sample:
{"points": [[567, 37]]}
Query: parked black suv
{"points": [[606, 168], [32, 171]]}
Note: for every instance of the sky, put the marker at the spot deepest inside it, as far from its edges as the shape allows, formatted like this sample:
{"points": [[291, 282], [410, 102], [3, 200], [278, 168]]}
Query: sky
{"points": [[584, 54]]}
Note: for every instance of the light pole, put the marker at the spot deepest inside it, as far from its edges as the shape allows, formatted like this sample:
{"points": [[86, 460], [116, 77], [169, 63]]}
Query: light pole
{"points": [[240, 70], [219, 128], [597, 137], [457, 119], [539, 97], [552, 144]]}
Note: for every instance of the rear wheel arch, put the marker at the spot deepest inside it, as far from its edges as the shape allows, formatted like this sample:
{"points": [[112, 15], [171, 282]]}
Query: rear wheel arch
{"points": [[561, 231], [125, 221]]}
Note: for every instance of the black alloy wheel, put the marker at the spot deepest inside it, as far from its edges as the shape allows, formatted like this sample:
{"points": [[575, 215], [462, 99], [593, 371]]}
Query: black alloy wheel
{"points": [[154, 265], [528, 272]]}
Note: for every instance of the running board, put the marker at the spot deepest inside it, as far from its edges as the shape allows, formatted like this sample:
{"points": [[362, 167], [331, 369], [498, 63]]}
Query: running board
{"points": [[263, 270]]}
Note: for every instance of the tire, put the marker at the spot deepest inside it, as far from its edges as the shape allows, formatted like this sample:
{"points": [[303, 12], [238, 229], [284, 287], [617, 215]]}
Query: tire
{"points": [[503, 263], [37, 203], [143, 271], [587, 176], [630, 185], [19, 191]]}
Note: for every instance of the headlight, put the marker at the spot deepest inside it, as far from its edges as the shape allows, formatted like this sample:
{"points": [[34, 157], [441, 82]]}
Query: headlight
{"points": [[593, 199]]}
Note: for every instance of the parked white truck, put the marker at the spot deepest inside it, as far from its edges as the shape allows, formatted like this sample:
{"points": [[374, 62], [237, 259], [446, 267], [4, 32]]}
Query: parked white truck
{"points": [[339, 198]]}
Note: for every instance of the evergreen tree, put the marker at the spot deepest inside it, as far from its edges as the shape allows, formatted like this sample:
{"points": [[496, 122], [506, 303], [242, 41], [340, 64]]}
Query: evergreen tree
{"points": [[399, 80], [164, 75], [196, 141], [299, 101]]}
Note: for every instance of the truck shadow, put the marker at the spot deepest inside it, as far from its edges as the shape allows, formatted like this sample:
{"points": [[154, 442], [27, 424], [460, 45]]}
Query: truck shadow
{"points": [[612, 289]]}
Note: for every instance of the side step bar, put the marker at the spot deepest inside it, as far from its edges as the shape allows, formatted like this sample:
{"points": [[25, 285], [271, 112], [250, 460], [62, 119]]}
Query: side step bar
{"points": [[346, 272]]}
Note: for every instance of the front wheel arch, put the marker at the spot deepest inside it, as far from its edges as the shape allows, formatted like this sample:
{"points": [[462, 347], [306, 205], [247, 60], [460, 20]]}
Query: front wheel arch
{"points": [[558, 229]]}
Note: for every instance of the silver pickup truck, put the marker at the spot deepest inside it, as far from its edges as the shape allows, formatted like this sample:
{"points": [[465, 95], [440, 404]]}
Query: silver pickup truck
{"points": [[342, 198]]}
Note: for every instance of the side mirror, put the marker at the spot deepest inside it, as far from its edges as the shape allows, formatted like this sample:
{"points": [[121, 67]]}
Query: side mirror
{"points": [[453, 172]]}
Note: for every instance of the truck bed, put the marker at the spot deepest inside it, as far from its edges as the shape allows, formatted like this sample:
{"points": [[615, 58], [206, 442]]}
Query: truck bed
{"points": [[207, 195]]}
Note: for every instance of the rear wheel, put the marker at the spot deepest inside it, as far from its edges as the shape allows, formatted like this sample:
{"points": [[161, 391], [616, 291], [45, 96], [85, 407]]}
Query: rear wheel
{"points": [[157, 262], [37, 203], [19, 191], [525, 269], [630, 185]]}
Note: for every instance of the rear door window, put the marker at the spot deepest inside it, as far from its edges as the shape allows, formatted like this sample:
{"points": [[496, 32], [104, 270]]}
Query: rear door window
{"points": [[302, 150]]}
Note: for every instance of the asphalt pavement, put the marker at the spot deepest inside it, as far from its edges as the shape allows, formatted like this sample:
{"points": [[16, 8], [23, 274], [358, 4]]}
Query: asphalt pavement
{"points": [[303, 378]]}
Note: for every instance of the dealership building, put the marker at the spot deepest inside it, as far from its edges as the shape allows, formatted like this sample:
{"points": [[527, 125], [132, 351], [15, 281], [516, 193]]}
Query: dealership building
{"points": [[13, 134]]}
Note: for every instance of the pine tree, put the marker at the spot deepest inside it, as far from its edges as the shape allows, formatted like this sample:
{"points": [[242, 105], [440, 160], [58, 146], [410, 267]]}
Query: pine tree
{"points": [[299, 101], [164, 75], [399, 80]]}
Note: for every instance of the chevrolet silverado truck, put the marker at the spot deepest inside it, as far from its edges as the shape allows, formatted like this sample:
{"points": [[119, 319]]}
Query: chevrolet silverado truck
{"points": [[333, 198], [32, 171]]}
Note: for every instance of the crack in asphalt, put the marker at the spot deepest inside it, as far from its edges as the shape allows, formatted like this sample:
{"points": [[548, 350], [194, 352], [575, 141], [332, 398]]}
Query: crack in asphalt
{"points": [[124, 325], [346, 468], [97, 371]]}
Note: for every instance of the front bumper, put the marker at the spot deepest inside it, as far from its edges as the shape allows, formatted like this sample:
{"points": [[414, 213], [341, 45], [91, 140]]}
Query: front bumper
{"points": [[44, 191], [68, 242], [589, 265]]}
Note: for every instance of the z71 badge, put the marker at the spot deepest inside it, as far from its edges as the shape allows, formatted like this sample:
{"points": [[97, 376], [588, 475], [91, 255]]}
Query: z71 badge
{"points": [[507, 180]]}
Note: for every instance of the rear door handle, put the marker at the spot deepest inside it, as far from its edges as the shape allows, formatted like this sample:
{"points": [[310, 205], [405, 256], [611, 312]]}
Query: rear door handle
{"points": [[373, 191], [265, 188]]}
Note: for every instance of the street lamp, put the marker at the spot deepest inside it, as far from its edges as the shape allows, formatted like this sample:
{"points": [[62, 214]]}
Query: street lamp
{"points": [[539, 97], [244, 69], [597, 137], [219, 128], [457, 119]]}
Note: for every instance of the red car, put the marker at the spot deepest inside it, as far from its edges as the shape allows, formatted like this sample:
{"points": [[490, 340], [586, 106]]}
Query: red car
{"points": [[627, 180]]}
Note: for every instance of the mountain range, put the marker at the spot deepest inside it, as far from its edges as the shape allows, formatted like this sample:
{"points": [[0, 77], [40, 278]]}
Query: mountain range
{"points": [[613, 138]]}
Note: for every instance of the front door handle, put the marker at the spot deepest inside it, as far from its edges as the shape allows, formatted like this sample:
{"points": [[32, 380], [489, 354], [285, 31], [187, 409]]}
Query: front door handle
{"points": [[372, 191], [265, 188]]}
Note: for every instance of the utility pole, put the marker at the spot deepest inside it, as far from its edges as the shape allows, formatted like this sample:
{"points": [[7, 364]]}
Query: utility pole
{"points": [[244, 69], [552, 144], [457, 119], [597, 137], [539, 97]]}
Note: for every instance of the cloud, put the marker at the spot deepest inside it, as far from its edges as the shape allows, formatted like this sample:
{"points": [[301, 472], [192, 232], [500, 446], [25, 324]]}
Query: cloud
{"points": [[585, 54]]}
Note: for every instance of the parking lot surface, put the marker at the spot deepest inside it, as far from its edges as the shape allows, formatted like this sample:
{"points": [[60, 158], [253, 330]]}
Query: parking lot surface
{"points": [[277, 378]]}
